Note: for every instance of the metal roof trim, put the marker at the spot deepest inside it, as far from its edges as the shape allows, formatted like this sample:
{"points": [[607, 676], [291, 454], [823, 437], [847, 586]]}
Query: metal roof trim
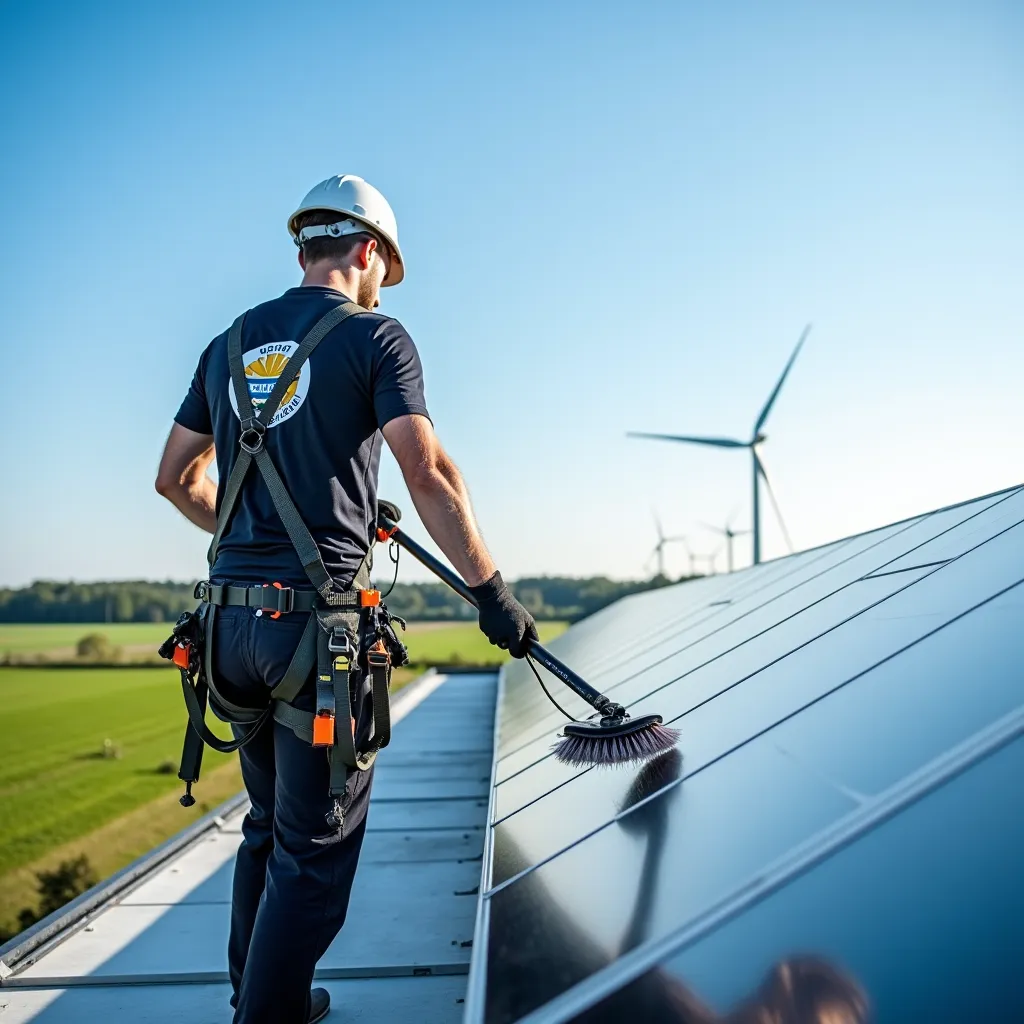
{"points": [[476, 986]]}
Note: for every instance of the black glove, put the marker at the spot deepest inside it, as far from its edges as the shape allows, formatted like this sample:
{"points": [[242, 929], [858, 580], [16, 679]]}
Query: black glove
{"points": [[503, 620]]}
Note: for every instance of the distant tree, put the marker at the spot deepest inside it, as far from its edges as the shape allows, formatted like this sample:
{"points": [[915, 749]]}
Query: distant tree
{"points": [[70, 878], [548, 597], [97, 647], [124, 606]]}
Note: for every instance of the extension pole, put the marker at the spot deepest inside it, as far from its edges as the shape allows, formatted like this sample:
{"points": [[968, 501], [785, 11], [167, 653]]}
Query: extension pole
{"points": [[536, 650]]}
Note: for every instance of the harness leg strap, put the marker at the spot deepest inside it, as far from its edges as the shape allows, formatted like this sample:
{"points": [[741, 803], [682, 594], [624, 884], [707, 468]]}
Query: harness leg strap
{"points": [[379, 662], [192, 751]]}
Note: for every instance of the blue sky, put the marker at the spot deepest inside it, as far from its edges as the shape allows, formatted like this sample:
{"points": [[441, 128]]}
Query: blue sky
{"points": [[614, 217]]}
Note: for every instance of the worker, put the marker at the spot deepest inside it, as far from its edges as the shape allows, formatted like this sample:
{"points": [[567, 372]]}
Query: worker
{"points": [[363, 381]]}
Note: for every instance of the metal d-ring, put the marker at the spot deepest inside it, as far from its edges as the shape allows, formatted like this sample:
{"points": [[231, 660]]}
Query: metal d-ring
{"points": [[251, 438]]}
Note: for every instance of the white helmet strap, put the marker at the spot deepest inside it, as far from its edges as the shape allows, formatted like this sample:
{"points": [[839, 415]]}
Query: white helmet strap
{"points": [[335, 230]]}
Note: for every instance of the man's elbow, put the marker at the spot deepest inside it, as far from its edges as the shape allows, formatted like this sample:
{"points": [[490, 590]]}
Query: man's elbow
{"points": [[423, 477], [166, 484]]}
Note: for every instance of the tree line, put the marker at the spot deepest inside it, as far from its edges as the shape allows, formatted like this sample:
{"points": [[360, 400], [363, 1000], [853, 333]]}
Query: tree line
{"points": [[546, 597]]}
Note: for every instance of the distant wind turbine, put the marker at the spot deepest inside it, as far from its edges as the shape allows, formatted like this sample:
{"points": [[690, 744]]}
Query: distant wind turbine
{"points": [[710, 560], [659, 548], [728, 533], [756, 439]]}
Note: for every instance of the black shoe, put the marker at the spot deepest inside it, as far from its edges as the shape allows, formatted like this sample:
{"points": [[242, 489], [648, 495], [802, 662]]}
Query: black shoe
{"points": [[319, 1004]]}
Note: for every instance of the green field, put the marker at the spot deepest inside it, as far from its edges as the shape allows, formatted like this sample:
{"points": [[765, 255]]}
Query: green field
{"points": [[55, 781], [65, 790], [428, 642], [31, 638], [442, 643]]}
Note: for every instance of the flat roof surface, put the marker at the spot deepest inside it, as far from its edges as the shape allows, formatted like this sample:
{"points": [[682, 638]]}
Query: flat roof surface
{"points": [[157, 952]]}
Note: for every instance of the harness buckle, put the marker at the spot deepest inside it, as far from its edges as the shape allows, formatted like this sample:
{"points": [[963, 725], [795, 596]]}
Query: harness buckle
{"points": [[284, 600], [202, 591], [340, 643], [378, 659], [251, 437]]}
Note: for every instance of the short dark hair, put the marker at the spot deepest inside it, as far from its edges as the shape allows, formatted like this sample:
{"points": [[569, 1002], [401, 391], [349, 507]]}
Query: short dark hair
{"points": [[324, 247]]}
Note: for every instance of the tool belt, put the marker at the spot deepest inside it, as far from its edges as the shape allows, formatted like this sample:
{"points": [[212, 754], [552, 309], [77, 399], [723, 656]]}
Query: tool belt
{"points": [[349, 639]]}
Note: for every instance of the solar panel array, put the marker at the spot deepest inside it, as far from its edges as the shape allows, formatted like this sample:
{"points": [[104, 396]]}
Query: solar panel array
{"points": [[841, 819]]}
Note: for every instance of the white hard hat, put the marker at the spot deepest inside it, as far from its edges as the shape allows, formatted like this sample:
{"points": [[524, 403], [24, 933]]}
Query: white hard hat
{"points": [[363, 207]]}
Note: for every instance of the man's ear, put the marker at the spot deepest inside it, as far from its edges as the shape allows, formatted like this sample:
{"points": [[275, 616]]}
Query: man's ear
{"points": [[302, 260], [366, 251]]}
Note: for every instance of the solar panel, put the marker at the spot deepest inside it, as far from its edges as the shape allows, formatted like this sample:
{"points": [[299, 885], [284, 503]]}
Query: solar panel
{"points": [[808, 692]]}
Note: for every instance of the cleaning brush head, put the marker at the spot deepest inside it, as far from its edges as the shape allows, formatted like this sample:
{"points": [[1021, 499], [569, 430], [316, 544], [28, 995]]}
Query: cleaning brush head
{"points": [[619, 740]]}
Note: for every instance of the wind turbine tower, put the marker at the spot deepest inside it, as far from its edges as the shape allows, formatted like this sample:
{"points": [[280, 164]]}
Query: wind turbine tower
{"points": [[659, 549], [756, 440]]}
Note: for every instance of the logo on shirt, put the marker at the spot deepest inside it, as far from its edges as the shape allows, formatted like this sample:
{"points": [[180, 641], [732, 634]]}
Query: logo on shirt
{"points": [[263, 366]]}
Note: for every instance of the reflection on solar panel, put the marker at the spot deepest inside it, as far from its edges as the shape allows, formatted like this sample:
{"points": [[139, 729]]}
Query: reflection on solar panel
{"points": [[841, 825]]}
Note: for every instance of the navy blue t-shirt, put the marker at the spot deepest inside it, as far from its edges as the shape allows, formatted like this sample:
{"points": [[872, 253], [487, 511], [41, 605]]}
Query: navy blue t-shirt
{"points": [[325, 438]]}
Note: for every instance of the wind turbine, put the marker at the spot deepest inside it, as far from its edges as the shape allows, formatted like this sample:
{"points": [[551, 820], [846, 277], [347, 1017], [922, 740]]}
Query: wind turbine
{"points": [[757, 438], [710, 560], [659, 548], [728, 533]]}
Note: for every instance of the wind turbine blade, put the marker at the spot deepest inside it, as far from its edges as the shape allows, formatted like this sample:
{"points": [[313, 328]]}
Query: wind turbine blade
{"points": [[775, 504], [782, 380], [657, 526], [732, 518], [717, 442], [708, 526]]}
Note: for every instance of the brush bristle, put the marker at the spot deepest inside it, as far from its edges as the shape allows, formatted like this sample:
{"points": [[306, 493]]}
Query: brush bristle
{"points": [[595, 749]]}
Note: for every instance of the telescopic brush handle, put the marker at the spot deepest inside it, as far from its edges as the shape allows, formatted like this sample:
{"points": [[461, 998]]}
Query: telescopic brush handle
{"points": [[537, 651]]}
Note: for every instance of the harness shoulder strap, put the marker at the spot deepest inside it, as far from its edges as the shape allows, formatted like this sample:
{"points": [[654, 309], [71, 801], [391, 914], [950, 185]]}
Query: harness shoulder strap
{"points": [[252, 446]]}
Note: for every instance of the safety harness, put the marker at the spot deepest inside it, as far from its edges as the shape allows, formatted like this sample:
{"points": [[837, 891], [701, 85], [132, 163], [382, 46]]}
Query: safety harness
{"points": [[348, 637]]}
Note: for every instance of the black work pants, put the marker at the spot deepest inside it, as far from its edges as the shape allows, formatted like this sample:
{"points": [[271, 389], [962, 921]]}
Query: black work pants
{"points": [[290, 894]]}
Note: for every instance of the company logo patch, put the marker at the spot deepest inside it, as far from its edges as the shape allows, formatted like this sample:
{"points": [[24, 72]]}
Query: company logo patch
{"points": [[263, 366]]}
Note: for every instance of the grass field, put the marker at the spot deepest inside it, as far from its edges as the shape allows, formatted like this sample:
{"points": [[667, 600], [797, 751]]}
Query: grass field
{"points": [[447, 643], [428, 642], [60, 638], [61, 796], [55, 782]]}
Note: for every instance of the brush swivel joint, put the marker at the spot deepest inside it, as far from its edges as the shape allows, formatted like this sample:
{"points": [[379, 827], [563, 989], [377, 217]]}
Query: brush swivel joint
{"points": [[610, 711]]}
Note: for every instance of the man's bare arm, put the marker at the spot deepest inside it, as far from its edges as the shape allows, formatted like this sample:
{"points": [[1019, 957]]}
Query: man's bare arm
{"points": [[182, 478], [440, 496]]}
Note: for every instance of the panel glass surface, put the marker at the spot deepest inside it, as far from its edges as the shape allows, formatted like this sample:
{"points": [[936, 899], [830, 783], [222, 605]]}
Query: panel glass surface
{"points": [[715, 715], [642, 876], [924, 916], [720, 627], [910, 710], [1001, 514], [692, 686], [614, 636], [791, 619], [816, 577]]}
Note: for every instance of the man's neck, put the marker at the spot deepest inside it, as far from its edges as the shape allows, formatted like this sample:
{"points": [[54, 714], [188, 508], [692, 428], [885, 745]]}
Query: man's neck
{"points": [[323, 275]]}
